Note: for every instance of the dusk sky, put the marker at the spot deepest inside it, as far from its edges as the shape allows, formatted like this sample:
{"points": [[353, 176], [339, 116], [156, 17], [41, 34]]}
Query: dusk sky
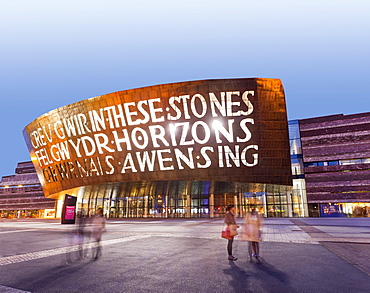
{"points": [[54, 53]]}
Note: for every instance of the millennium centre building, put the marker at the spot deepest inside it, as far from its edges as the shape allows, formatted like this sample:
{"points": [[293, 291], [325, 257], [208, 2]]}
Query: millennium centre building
{"points": [[184, 149]]}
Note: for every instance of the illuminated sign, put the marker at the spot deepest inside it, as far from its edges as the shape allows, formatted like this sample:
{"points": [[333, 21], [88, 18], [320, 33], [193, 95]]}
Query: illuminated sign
{"points": [[69, 209], [222, 130]]}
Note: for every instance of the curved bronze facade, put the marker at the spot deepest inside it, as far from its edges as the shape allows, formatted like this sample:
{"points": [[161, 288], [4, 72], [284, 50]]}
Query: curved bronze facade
{"points": [[228, 130]]}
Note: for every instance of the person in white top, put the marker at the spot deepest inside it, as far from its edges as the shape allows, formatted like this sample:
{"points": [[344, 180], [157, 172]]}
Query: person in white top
{"points": [[252, 231]]}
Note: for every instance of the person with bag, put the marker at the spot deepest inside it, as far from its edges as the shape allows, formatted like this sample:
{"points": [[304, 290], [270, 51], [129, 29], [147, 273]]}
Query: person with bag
{"points": [[252, 231], [230, 230]]}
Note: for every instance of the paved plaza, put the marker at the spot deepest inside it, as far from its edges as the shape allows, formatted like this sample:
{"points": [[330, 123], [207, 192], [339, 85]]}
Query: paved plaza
{"points": [[186, 255]]}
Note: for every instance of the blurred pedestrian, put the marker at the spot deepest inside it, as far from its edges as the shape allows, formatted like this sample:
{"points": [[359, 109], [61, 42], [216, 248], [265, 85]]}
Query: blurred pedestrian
{"points": [[230, 221], [252, 231], [82, 233], [76, 241], [98, 227]]}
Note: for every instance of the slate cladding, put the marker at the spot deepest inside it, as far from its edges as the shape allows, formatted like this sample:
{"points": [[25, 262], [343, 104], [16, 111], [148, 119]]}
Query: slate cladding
{"points": [[336, 154], [23, 191]]}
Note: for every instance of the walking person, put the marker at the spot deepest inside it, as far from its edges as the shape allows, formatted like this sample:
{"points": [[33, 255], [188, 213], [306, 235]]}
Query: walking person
{"points": [[252, 232], [82, 234], [230, 220], [98, 227]]}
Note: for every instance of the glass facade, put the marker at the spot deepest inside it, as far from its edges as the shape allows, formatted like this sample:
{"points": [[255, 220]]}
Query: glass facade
{"points": [[183, 199], [299, 196]]}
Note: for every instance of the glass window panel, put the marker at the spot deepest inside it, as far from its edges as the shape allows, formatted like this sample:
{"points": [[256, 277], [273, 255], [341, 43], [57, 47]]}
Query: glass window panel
{"points": [[310, 164], [293, 129], [297, 166], [366, 161], [270, 199], [295, 147]]}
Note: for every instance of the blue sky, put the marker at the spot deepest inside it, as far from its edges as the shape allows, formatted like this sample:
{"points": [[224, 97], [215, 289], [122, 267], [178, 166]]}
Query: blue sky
{"points": [[55, 53]]}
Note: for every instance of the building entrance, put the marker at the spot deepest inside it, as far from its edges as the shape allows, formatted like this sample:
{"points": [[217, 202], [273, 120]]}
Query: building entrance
{"points": [[185, 199]]}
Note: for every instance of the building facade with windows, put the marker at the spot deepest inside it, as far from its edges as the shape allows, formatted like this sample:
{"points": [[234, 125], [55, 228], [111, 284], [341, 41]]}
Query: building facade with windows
{"points": [[174, 150], [336, 177], [189, 149], [21, 195], [332, 154]]}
